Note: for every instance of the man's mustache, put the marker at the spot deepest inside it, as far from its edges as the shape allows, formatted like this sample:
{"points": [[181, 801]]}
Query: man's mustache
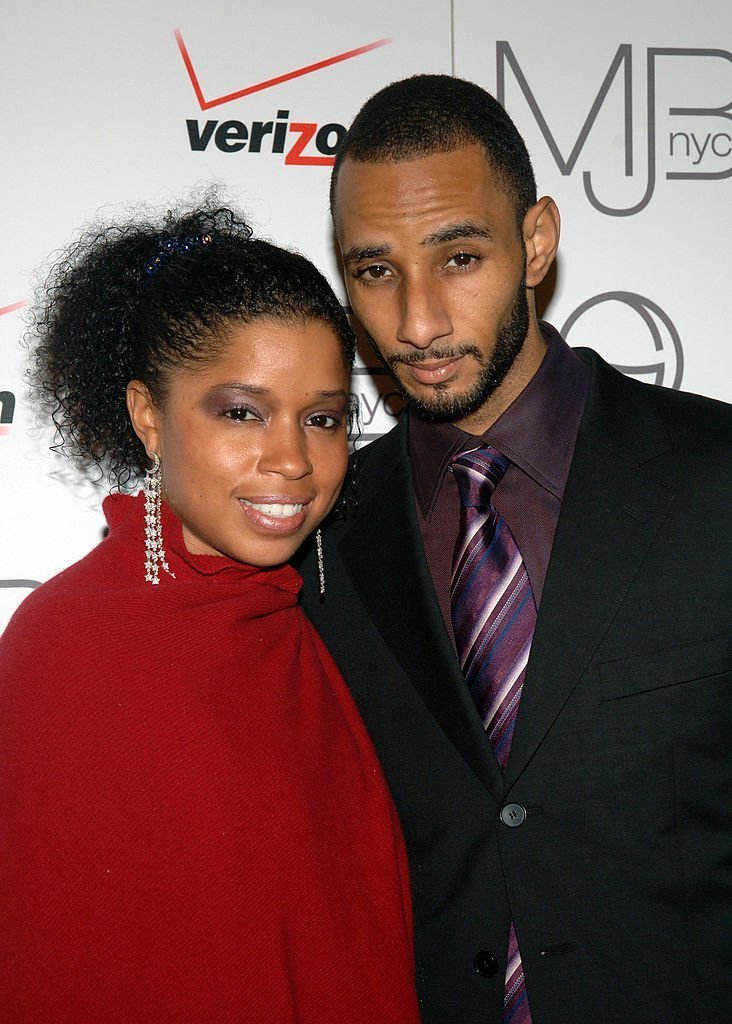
{"points": [[433, 355]]}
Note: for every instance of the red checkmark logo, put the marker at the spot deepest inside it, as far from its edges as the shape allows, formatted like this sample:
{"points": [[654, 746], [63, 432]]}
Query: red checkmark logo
{"points": [[277, 80], [12, 307]]}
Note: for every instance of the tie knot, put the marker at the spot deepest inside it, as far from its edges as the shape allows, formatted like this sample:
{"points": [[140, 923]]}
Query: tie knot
{"points": [[477, 474]]}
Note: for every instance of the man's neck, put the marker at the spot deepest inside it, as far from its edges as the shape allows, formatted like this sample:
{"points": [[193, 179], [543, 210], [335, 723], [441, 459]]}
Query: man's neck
{"points": [[525, 365]]}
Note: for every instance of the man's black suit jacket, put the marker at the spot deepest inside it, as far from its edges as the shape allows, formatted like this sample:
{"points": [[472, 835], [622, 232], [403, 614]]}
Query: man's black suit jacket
{"points": [[616, 867]]}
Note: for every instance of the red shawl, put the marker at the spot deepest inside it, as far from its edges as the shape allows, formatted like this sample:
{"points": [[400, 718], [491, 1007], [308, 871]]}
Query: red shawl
{"points": [[193, 823]]}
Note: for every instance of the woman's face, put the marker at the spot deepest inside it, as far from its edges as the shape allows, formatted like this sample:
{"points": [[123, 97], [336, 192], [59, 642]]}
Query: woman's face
{"points": [[253, 443]]}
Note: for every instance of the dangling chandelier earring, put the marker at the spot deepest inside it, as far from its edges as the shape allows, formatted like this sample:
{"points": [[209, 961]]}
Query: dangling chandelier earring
{"points": [[154, 550], [321, 564]]}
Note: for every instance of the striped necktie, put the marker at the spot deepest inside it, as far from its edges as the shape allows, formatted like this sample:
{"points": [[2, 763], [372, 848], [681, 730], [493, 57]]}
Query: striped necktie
{"points": [[493, 615]]}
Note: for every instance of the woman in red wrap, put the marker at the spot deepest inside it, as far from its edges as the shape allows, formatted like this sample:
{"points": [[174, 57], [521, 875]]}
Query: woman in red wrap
{"points": [[194, 826]]}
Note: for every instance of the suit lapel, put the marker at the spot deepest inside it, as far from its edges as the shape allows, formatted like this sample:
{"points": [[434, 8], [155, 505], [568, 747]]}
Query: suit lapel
{"points": [[385, 543], [611, 512]]}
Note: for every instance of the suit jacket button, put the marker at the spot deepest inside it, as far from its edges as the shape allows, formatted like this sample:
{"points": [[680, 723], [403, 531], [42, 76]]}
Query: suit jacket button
{"points": [[513, 815], [485, 963]]}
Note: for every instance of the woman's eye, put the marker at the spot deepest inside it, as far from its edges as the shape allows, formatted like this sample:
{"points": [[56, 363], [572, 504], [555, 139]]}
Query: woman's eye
{"points": [[324, 421], [241, 413]]}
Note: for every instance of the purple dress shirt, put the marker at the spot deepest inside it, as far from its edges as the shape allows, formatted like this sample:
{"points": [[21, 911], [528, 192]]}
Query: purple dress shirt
{"points": [[537, 432]]}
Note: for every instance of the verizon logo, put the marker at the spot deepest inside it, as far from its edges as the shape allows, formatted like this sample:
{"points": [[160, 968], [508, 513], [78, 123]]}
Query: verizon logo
{"points": [[301, 143]]}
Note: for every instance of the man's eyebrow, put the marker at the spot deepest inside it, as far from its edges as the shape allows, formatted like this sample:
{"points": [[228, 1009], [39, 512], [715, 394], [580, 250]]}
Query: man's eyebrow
{"points": [[452, 232], [448, 233], [357, 253]]}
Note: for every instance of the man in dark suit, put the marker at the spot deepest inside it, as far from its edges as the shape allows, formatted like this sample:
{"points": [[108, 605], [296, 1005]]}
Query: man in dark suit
{"points": [[601, 849]]}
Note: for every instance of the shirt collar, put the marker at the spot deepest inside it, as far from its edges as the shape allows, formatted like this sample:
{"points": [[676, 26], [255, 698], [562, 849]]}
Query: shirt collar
{"points": [[537, 432]]}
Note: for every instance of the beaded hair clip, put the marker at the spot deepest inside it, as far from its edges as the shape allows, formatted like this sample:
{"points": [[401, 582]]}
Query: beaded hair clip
{"points": [[170, 246]]}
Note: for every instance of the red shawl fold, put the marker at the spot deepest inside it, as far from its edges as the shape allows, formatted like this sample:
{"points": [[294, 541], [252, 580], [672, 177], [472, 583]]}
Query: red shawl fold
{"points": [[193, 822]]}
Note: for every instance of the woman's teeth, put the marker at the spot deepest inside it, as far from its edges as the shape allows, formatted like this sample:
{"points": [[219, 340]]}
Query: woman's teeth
{"points": [[274, 509]]}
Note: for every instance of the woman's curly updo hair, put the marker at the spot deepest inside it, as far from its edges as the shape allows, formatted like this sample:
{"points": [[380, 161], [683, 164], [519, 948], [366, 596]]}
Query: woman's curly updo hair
{"points": [[138, 300]]}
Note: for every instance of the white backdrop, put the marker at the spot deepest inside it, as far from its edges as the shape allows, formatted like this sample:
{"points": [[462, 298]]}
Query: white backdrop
{"points": [[625, 108]]}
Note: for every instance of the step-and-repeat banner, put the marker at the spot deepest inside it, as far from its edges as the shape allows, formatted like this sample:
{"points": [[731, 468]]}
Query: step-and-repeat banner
{"points": [[626, 108]]}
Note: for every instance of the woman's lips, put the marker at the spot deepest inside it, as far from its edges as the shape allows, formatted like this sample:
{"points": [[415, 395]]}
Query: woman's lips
{"points": [[277, 516]]}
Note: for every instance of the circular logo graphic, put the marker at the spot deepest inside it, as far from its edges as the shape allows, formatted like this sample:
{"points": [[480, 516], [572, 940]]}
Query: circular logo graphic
{"points": [[660, 362]]}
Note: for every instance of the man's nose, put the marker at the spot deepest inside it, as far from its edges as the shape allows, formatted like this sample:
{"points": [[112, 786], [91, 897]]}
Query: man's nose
{"points": [[424, 317]]}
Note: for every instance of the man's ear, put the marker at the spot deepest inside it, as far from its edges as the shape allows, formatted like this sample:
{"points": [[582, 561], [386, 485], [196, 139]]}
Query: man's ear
{"points": [[144, 416], [541, 238]]}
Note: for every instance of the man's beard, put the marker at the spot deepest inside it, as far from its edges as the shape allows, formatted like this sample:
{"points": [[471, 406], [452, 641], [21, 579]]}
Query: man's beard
{"points": [[443, 406]]}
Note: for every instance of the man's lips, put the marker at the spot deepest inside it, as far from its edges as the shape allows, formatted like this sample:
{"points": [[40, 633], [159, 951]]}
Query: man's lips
{"points": [[434, 371]]}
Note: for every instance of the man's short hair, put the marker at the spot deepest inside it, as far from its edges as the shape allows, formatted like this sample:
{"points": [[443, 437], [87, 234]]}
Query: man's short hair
{"points": [[428, 114]]}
